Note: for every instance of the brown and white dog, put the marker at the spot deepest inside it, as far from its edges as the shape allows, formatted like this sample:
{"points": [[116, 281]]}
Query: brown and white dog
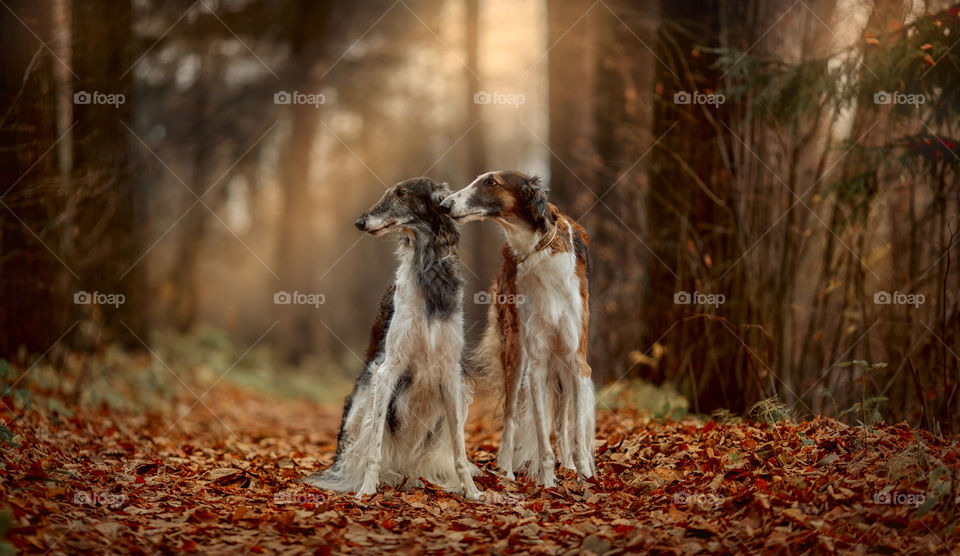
{"points": [[537, 324]]}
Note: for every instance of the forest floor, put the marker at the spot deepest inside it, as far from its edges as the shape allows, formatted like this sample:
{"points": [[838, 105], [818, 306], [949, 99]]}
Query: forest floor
{"points": [[224, 480]]}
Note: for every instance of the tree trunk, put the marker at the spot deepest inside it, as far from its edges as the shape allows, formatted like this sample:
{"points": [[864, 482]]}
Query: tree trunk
{"points": [[572, 77], [475, 240], [62, 46], [110, 206], [70, 204], [298, 329], [34, 314], [295, 268], [625, 73]]}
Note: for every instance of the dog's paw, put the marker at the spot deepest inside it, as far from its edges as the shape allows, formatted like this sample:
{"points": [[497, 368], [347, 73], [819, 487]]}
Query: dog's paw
{"points": [[471, 493], [586, 472], [369, 488], [363, 493], [506, 469]]}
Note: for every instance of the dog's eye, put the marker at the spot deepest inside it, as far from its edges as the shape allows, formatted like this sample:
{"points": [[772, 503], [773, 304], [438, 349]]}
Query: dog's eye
{"points": [[490, 182], [401, 193]]}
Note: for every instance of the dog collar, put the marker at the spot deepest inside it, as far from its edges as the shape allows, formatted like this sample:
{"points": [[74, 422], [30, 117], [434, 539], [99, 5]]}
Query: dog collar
{"points": [[541, 245]]}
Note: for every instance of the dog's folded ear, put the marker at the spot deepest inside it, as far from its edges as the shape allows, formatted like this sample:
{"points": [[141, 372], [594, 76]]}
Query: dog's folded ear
{"points": [[532, 188], [533, 193], [439, 193]]}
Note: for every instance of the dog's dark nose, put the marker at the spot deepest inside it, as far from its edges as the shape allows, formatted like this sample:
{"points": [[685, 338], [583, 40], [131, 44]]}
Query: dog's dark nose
{"points": [[361, 223], [446, 205]]}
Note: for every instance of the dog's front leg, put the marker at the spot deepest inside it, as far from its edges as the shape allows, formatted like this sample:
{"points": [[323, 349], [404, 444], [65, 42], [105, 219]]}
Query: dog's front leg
{"points": [[510, 415], [536, 373], [584, 408], [586, 422], [382, 383], [466, 398], [564, 414], [450, 391]]}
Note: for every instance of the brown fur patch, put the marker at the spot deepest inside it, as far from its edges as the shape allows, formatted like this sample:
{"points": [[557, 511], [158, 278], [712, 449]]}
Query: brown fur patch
{"points": [[570, 237], [505, 200], [584, 276], [508, 321], [561, 243], [519, 203], [378, 333]]}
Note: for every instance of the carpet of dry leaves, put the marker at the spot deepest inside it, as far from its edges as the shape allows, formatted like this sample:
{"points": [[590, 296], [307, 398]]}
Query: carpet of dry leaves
{"points": [[224, 480]]}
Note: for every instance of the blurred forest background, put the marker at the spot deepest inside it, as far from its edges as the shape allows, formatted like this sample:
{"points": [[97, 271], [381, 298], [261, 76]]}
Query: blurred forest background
{"points": [[798, 158]]}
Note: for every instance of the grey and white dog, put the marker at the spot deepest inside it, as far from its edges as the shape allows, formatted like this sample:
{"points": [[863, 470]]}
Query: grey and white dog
{"points": [[406, 414]]}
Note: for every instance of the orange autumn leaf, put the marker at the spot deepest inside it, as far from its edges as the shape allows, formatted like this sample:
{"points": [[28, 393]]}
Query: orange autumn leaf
{"points": [[712, 483]]}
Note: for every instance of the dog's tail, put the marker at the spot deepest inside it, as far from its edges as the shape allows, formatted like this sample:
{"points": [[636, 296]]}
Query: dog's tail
{"points": [[331, 479], [336, 477], [346, 473]]}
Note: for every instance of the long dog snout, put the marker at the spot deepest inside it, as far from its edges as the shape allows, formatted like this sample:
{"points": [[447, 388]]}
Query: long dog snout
{"points": [[447, 205]]}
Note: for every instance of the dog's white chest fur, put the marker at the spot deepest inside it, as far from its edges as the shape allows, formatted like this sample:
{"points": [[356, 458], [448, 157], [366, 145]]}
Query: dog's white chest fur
{"points": [[429, 344], [551, 304], [549, 285]]}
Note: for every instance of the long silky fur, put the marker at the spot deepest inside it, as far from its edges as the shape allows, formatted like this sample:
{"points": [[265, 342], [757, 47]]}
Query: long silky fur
{"points": [[424, 302], [549, 278], [487, 364]]}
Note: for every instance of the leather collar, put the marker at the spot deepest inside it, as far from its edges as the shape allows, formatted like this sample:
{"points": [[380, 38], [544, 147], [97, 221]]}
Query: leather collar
{"points": [[545, 240]]}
